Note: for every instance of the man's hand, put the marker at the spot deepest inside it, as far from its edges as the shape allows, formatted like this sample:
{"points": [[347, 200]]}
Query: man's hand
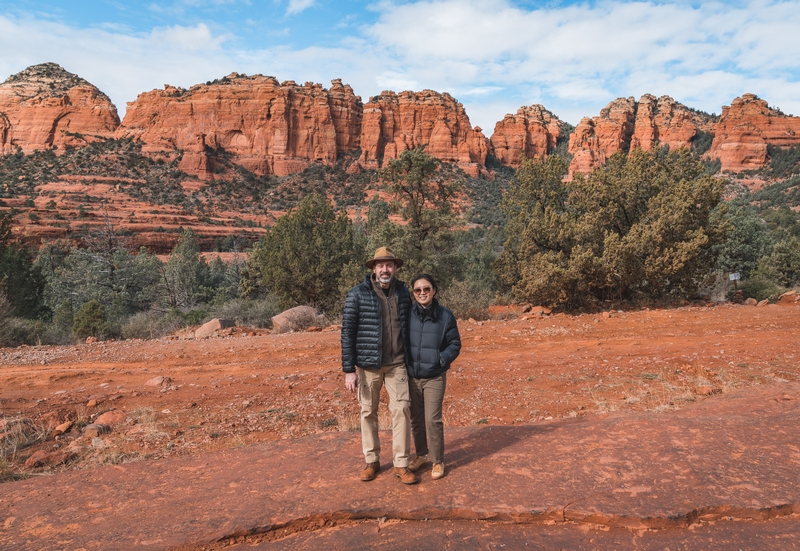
{"points": [[351, 381]]}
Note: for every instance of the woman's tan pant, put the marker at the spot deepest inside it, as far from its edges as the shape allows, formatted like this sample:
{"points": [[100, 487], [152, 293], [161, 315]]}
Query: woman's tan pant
{"points": [[427, 427], [395, 378]]}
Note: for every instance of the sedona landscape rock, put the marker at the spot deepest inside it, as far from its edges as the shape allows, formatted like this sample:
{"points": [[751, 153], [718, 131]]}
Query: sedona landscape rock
{"points": [[45, 106], [281, 128]]}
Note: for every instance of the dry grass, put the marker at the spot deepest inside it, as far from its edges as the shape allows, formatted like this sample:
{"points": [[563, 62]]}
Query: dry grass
{"points": [[17, 435]]}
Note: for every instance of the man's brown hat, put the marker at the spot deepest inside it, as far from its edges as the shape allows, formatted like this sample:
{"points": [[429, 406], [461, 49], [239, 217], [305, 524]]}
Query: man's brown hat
{"points": [[384, 253]]}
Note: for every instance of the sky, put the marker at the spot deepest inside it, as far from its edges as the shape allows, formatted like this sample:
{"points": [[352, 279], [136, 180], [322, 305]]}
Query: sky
{"points": [[494, 56]]}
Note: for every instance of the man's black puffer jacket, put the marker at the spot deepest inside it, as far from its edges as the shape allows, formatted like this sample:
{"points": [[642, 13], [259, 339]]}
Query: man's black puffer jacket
{"points": [[361, 325], [434, 341]]}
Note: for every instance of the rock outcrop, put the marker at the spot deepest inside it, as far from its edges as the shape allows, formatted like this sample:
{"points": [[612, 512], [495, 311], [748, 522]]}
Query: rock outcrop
{"points": [[394, 123], [45, 106], [266, 126], [532, 132], [745, 129], [625, 124]]}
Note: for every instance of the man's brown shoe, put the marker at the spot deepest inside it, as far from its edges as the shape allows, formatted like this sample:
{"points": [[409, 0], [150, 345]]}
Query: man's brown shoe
{"points": [[405, 476], [370, 471]]}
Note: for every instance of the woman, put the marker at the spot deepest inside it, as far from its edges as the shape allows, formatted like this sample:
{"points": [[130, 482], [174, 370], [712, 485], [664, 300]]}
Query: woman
{"points": [[434, 343]]}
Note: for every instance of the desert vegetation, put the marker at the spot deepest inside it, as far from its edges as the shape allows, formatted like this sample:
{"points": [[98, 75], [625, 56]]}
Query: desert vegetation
{"points": [[648, 227]]}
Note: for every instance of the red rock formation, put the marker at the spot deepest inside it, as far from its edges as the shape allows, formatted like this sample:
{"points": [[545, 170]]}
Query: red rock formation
{"points": [[532, 132], [745, 129], [46, 106], [269, 128], [394, 123], [626, 124], [596, 139], [667, 122]]}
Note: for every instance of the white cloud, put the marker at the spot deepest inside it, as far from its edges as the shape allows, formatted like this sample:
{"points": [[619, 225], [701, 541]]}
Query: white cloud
{"points": [[297, 6], [492, 55]]}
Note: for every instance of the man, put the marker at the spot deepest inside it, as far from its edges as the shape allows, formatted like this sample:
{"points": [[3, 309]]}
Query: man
{"points": [[374, 355]]}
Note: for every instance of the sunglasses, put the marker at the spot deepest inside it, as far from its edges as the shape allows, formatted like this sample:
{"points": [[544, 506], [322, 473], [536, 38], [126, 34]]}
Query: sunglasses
{"points": [[422, 290]]}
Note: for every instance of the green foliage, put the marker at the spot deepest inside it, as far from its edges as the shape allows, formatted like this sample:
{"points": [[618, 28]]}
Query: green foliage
{"points": [[104, 270], [301, 257], [748, 241], [6, 313], [701, 142], [186, 279], [760, 288], [643, 226], [786, 193], [90, 321], [783, 161], [783, 265], [20, 282], [423, 193]]}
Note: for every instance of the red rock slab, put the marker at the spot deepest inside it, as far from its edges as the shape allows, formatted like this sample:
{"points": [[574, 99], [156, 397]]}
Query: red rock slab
{"points": [[732, 457], [782, 533]]}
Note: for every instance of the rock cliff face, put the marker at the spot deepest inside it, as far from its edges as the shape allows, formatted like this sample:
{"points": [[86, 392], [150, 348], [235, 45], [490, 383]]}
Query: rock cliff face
{"points": [[625, 124], [745, 129], [46, 106], [532, 132], [394, 123], [268, 127]]}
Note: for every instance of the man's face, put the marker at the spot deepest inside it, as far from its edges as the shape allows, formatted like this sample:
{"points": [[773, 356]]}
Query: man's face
{"points": [[384, 271]]}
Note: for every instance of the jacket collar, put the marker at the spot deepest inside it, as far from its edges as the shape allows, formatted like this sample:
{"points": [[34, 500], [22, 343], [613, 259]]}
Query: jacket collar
{"points": [[431, 312]]}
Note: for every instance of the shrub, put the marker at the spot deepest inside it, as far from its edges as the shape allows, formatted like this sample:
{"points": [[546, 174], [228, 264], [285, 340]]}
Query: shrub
{"points": [[251, 313], [467, 299], [90, 321], [5, 317], [760, 288]]}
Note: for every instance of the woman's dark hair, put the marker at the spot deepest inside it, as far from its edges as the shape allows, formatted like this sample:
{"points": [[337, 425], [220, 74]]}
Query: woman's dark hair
{"points": [[427, 277]]}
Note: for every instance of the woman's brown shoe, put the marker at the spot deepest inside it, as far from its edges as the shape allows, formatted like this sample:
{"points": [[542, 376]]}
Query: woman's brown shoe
{"points": [[370, 471], [437, 471], [418, 462], [405, 476]]}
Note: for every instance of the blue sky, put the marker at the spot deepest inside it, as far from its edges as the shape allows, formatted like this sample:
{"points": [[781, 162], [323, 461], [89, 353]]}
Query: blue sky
{"points": [[492, 55]]}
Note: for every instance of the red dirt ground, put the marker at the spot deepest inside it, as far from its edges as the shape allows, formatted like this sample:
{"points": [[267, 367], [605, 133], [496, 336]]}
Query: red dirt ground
{"points": [[247, 386]]}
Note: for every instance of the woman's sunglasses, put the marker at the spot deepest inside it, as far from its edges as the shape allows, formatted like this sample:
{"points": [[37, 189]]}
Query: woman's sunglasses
{"points": [[421, 290]]}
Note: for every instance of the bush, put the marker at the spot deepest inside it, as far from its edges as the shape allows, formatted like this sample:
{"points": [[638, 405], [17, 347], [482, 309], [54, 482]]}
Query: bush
{"points": [[467, 299], [250, 313], [5, 317], [644, 226], [90, 321], [761, 288]]}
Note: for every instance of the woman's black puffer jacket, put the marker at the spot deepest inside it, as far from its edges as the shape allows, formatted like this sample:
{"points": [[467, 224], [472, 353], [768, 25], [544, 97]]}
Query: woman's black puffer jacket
{"points": [[361, 325], [434, 341]]}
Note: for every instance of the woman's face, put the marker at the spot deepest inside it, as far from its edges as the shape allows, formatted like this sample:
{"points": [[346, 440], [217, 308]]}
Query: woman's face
{"points": [[424, 292]]}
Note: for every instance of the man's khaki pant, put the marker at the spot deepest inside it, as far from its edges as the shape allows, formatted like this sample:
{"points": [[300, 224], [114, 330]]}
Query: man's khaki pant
{"points": [[369, 392]]}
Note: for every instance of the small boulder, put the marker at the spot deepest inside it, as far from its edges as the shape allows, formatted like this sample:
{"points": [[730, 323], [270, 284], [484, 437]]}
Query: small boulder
{"points": [[110, 417], [763, 302], [294, 319], [211, 327], [43, 459], [788, 297], [158, 381], [95, 429], [751, 301], [61, 429], [91, 340]]}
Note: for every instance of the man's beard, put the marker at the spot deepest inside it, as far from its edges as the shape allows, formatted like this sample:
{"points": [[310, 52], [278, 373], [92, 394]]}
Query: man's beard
{"points": [[384, 278]]}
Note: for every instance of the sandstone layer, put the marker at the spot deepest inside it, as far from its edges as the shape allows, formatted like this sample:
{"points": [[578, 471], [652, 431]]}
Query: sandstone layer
{"points": [[625, 124], [746, 128], [394, 123], [532, 132], [267, 126], [45, 106]]}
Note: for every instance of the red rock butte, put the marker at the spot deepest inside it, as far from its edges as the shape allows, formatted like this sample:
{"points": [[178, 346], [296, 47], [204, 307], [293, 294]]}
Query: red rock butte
{"points": [[280, 128], [45, 106]]}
